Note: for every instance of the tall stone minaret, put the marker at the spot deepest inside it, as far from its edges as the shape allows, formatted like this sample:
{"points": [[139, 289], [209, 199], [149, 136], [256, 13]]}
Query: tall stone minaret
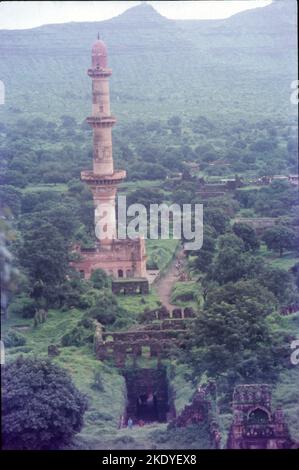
{"points": [[103, 179]]}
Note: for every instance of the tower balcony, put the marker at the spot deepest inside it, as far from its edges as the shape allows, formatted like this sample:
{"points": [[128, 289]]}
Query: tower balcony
{"points": [[95, 179], [101, 121], [99, 72]]}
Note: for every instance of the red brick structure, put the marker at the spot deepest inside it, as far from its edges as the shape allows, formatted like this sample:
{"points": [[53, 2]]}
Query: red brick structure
{"points": [[255, 425], [118, 257], [202, 409], [159, 334]]}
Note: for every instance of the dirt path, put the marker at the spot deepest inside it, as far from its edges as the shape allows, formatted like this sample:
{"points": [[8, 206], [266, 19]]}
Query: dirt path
{"points": [[164, 285]]}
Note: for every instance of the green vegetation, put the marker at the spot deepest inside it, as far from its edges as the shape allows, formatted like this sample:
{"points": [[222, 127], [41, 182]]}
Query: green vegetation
{"points": [[50, 79], [172, 141], [160, 253], [186, 294], [42, 409]]}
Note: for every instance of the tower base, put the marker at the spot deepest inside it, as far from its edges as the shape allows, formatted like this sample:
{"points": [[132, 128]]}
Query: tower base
{"points": [[119, 258]]}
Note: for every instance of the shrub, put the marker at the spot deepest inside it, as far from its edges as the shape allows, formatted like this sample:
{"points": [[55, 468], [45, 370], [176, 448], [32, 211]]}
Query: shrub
{"points": [[97, 383], [99, 279], [183, 292], [22, 306], [104, 307], [78, 336], [42, 409], [13, 339]]}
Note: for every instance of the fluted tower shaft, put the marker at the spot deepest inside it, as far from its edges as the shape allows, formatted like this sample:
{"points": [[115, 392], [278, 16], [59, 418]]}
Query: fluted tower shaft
{"points": [[103, 180]]}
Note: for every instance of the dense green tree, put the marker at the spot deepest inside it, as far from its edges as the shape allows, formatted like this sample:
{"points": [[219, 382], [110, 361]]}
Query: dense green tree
{"points": [[216, 219], [145, 196], [23, 306], [248, 235], [277, 281], [239, 292], [229, 265], [263, 145], [103, 306], [275, 199], [231, 241], [225, 337], [68, 121], [10, 200], [44, 254], [204, 256], [13, 339], [144, 170], [172, 159], [42, 409], [151, 153], [295, 272], [174, 121], [99, 279], [13, 178], [279, 238]]}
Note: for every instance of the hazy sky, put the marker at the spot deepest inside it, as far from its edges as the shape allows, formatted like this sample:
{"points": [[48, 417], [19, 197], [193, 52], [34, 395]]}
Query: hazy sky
{"points": [[20, 15]]}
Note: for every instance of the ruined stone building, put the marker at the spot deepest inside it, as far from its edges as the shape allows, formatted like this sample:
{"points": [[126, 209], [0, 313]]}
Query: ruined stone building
{"points": [[255, 424]]}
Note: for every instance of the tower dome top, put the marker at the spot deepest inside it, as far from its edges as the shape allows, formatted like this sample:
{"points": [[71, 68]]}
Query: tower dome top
{"points": [[99, 54]]}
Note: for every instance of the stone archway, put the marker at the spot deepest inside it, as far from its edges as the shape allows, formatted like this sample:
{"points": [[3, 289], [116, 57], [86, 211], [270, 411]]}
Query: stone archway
{"points": [[258, 416]]}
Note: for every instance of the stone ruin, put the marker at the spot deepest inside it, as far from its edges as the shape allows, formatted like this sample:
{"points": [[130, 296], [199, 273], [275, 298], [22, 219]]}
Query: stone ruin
{"points": [[200, 410], [162, 313], [130, 286], [259, 224], [160, 332], [148, 397], [289, 309], [255, 425], [53, 350]]}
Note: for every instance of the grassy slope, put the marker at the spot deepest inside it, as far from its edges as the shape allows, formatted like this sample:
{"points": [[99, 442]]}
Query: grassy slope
{"points": [[107, 405], [161, 252], [286, 261], [183, 290], [100, 429]]}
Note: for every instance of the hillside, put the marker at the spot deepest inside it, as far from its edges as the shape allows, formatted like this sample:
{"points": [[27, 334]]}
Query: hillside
{"points": [[204, 117], [237, 66]]}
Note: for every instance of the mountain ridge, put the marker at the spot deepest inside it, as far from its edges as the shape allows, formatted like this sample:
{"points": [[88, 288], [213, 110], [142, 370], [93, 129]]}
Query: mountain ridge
{"points": [[159, 65]]}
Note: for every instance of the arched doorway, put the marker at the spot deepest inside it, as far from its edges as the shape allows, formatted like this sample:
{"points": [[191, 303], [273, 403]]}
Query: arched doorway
{"points": [[258, 416], [147, 407], [120, 273]]}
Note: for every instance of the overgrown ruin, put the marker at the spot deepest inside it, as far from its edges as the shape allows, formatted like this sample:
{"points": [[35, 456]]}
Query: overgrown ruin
{"points": [[148, 397], [159, 333], [255, 424]]}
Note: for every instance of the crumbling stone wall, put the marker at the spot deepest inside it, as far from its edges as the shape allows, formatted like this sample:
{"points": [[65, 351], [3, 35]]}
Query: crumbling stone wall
{"points": [[130, 287], [159, 336], [162, 313], [201, 410]]}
